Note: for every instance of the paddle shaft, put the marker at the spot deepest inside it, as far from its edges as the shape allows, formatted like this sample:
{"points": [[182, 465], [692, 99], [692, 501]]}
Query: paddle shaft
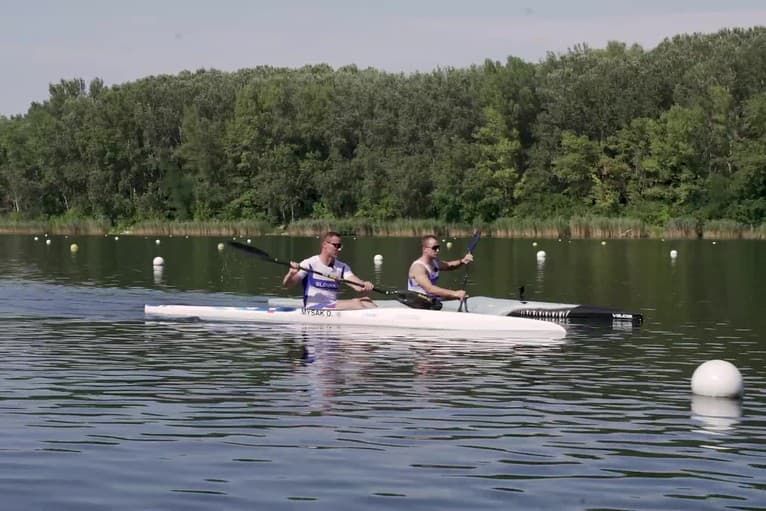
{"points": [[471, 246]]}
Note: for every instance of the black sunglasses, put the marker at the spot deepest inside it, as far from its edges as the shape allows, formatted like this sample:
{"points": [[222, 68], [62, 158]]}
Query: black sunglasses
{"points": [[435, 247], [336, 245]]}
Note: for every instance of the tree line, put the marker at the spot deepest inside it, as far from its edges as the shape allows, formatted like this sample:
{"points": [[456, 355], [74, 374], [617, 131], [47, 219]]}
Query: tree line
{"points": [[677, 131]]}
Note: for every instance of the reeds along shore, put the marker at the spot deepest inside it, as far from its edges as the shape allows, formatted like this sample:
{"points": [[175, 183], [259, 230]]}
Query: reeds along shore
{"points": [[552, 228]]}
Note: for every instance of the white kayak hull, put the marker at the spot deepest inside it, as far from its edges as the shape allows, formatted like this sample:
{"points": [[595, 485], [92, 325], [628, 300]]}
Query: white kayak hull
{"points": [[388, 317], [550, 311]]}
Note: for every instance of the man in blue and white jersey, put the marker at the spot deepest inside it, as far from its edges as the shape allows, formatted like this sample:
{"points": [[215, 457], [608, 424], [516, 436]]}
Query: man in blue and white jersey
{"points": [[424, 271], [321, 284]]}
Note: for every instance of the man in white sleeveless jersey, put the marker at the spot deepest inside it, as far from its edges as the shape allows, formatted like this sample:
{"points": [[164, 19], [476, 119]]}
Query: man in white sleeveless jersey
{"points": [[424, 271], [321, 284]]}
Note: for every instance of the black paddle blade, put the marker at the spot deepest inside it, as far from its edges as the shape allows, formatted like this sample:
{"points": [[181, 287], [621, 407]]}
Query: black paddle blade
{"points": [[416, 300], [474, 241], [250, 249]]}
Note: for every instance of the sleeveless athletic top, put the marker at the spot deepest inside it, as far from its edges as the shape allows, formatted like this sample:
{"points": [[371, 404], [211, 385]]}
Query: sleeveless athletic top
{"points": [[433, 276], [320, 292]]}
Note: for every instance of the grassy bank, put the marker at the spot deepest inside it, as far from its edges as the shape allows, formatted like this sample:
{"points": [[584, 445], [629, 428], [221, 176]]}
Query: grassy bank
{"points": [[587, 227]]}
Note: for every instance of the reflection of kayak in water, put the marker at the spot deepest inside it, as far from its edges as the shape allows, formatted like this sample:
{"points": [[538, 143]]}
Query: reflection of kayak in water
{"points": [[516, 308], [399, 318]]}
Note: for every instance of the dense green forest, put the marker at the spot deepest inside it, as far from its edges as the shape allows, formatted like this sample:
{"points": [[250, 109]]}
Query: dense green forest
{"points": [[675, 132]]}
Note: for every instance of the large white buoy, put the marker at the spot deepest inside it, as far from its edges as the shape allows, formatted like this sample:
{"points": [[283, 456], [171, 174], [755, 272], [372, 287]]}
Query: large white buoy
{"points": [[717, 378], [449, 244], [48, 242], [541, 254], [156, 242], [377, 259], [220, 246], [603, 243], [158, 261], [116, 238], [73, 248], [673, 254]]}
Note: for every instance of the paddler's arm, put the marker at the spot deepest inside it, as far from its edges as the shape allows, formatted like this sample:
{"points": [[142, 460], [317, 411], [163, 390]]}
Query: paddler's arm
{"points": [[363, 286], [457, 263], [293, 275], [419, 274]]}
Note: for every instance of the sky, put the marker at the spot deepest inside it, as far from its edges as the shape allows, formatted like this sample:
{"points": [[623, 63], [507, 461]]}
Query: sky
{"points": [[44, 41]]}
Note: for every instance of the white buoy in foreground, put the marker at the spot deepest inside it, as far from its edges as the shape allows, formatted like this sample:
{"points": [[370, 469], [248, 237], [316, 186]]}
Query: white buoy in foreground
{"points": [[73, 248], [47, 242], [603, 242], [673, 254], [220, 247], [116, 238], [158, 261], [717, 378], [541, 254], [156, 242], [377, 259], [449, 244]]}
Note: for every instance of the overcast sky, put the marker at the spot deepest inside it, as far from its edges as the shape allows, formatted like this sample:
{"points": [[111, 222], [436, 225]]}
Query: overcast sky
{"points": [[43, 41]]}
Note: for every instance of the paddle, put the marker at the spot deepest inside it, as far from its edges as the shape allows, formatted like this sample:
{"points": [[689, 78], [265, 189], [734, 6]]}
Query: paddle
{"points": [[472, 245], [408, 298]]}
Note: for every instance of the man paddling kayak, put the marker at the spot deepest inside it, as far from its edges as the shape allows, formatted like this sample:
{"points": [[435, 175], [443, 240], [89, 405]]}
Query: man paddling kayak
{"points": [[320, 286], [424, 271]]}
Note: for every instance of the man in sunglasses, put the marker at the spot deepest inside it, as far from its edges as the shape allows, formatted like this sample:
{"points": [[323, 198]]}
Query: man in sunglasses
{"points": [[320, 286], [424, 271]]}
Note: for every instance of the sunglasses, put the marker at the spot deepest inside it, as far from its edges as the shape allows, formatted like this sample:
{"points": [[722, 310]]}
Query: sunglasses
{"points": [[435, 247], [336, 245]]}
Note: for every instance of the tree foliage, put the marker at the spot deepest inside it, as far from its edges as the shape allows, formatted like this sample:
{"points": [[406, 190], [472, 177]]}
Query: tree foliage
{"points": [[679, 130]]}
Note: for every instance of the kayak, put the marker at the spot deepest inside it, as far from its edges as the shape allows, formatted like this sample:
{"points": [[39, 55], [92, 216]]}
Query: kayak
{"points": [[387, 317], [561, 312]]}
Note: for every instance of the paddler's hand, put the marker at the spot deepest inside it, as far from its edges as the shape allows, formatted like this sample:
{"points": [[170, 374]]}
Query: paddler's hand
{"points": [[367, 286], [287, 281], [460, 294], [468, 258]]}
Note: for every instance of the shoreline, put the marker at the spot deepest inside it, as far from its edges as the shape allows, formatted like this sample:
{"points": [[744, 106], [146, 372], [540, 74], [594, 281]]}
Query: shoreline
{"points": [[576, 228]]}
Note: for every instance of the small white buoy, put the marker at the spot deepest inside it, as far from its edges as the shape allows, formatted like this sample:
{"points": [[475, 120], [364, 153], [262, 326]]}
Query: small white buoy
{"points": [[249, 241], [673, 254], [714, 243], [47, 242], [377, 259], [541, 254], [449, 244], [156, 242], [36, 238], [220, 247], [158, 261], [116, 238], [534, 243], [603, 243], [717, 378], [73, 248]]}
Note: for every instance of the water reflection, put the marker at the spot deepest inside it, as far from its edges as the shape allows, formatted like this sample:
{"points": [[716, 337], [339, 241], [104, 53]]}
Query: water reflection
{"points": [[717, 415]]}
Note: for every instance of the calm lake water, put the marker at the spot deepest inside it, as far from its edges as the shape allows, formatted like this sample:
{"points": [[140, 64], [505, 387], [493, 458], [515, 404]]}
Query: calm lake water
{"points": [[102, 409]]}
